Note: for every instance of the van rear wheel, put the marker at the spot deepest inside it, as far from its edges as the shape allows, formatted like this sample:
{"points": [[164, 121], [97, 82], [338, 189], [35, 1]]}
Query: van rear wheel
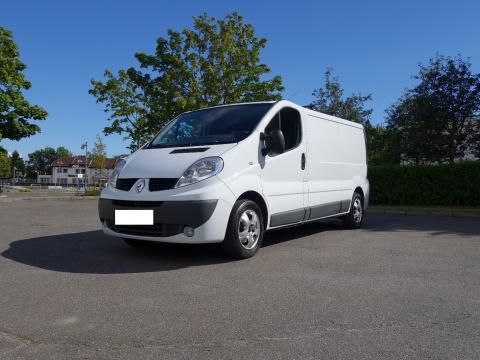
{"points": [[354, 219], [244, 231]]}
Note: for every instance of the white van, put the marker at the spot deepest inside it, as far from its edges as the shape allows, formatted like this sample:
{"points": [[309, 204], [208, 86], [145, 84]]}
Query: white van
{"points": [[229, 173]]}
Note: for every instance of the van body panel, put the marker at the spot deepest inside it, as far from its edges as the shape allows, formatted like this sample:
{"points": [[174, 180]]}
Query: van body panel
{"points": [[283, 179], [242, 167], [337, 163]]}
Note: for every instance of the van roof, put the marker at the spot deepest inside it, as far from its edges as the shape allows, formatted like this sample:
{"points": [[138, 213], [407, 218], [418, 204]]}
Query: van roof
{"points": [[298, 107], [321, 115], [233, 104]]}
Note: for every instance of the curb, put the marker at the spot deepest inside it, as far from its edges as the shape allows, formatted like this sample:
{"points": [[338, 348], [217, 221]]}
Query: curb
{"points": [[46, 198], [450, 213]]}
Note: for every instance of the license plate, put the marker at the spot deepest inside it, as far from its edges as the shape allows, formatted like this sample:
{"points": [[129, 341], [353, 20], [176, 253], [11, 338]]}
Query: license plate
{"points": [[133, 217]]}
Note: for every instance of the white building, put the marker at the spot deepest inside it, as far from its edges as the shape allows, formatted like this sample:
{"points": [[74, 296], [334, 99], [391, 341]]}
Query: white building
{"points": [[69, 170]]}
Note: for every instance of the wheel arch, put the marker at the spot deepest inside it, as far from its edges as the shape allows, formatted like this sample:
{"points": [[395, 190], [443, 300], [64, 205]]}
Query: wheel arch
{"points": [[360, 191], [260, 201]]}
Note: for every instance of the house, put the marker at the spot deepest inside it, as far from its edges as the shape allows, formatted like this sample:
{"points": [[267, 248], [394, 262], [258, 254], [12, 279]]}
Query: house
{"points": [[44, 178], [70, 170]]}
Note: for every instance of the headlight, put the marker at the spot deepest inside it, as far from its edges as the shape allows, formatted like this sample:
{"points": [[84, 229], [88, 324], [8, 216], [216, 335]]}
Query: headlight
{"points": [[200, 170], [113, 178]]}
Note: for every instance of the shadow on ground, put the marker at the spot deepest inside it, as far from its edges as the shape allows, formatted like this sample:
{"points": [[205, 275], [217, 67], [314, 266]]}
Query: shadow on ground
{"points": [[291, 233], [430, 224], [94, 252]]}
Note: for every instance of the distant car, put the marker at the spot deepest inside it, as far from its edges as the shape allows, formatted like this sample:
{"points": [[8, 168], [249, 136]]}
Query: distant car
{"points": [[229, 173]]}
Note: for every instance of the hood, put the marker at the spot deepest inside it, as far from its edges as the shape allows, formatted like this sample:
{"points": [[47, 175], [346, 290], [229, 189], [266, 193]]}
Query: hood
{"points": [[168, 162]]}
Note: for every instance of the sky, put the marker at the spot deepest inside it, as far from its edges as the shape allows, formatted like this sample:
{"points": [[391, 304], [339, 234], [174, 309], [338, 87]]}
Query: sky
{"points": [[373, 47]]}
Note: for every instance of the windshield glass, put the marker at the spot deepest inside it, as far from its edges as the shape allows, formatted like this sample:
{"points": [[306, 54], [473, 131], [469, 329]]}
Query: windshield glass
{"points": [[220, 125]]}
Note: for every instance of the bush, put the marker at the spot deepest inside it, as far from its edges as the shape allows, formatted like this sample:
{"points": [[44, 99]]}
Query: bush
{"points": [[450, 185], [24, 190]]}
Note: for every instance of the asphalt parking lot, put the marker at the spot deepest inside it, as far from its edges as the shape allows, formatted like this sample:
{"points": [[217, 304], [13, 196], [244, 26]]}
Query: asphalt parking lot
{"points": [[404, 287]]}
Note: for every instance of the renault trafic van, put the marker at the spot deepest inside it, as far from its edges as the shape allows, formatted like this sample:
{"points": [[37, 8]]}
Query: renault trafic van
{"points": [[229, 173]]}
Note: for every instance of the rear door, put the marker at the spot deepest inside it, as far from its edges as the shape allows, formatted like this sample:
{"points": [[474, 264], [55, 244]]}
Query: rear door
{"points": [[284, 175]]}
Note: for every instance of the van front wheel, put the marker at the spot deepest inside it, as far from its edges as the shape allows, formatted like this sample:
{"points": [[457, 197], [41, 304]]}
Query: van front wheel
{"points": [[354, 219], [244, 231]]}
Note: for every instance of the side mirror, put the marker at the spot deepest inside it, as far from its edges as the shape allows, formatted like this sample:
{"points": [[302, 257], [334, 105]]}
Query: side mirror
{"points": [[274, 143]]}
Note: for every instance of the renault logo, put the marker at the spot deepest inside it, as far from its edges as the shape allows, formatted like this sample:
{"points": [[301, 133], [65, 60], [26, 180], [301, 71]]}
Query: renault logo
{"points": [[140, 185]]}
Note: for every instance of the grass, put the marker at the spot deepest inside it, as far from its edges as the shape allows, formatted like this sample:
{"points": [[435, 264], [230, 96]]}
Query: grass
{"points": [[93, 192]]}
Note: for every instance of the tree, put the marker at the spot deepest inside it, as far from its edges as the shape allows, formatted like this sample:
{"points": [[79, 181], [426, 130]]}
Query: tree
{"points": [[15, 111], [5, 166], [329, 99], [17, 162], [434, 119], [215, 62], [98, 154], [382, 145], [475, 138], [40, 160], [126, 106], [62, 152]]}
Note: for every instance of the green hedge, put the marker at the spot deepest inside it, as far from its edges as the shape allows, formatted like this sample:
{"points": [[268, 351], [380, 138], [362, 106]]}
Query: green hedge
{"points": [[450, 185]]}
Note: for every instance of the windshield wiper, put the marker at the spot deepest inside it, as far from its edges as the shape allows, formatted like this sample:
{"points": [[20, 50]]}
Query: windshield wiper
{"points": [[157, 146], [161, 146]]}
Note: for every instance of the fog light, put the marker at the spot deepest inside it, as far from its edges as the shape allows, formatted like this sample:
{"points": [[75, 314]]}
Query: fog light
{"points": [[188, 231]]}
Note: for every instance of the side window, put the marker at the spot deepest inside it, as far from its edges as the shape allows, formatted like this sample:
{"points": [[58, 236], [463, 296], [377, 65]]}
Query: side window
{"points": [[287, 120]]}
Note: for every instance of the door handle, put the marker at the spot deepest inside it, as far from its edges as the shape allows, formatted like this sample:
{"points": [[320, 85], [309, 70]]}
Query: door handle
{"points": [[304, 160]]}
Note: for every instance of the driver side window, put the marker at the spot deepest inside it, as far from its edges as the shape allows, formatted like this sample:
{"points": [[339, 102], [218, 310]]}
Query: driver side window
{"points": [[288, 121]]}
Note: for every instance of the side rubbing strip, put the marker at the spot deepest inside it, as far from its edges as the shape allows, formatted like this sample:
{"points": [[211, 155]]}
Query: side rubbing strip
{"points": [[307, 213], [345, 205], [310, 213], [323, 210], [287, 217]]}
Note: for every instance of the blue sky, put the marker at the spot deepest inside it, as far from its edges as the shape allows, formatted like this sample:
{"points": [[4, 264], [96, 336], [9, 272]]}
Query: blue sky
{"points": [[373, 46]]}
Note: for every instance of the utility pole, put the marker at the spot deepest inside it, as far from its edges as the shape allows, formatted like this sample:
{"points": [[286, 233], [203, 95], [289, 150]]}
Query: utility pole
{"points": [[85, 146]]}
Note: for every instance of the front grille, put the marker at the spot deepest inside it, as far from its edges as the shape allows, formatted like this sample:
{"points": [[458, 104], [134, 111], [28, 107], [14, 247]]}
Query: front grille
{"points": [[159, 184], [137, 204], [125, 184], [157, 230]]}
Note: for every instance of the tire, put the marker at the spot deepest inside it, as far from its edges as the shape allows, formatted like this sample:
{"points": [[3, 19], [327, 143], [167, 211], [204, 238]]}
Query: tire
{"points": [[354, 219], [241, 242], [137, 243]]}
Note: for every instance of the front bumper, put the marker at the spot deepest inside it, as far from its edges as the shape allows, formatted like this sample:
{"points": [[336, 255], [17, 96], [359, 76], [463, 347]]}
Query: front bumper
{"points": [[208, 218], [194, 205]]}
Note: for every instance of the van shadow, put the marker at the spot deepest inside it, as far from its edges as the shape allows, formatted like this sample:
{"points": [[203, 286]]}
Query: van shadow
{"points": [[433, 225], [92, 252], [290, 233], [95, 253]]}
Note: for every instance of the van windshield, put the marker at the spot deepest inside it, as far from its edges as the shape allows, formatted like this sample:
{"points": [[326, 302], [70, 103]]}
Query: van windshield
{"points": [[220, 125]]}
